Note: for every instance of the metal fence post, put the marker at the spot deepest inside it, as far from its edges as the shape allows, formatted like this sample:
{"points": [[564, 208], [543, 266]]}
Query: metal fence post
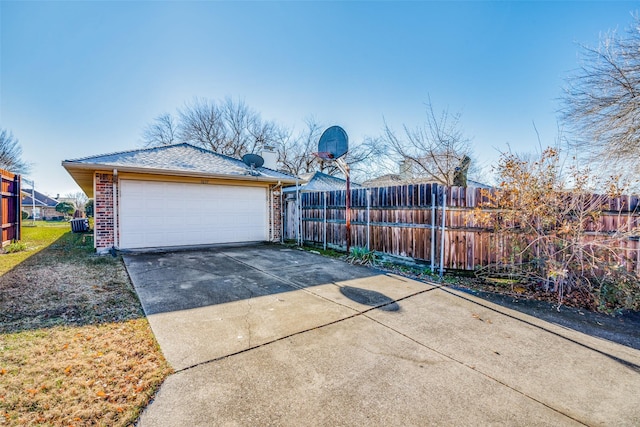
{"points": [[324, 237], [444, 211], [433, 230], [298, 214], [368, 195]]}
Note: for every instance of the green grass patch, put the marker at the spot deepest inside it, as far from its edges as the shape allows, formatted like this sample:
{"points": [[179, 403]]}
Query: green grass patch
{"points": [[34, 239]]}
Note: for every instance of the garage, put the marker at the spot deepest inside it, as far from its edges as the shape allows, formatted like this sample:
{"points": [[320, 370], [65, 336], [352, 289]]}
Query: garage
{"points": [[160, 214], [181, 195]]}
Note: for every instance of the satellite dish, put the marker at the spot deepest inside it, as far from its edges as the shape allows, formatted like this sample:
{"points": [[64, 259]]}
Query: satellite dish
{"points": [[334, 143], [253, 160]]}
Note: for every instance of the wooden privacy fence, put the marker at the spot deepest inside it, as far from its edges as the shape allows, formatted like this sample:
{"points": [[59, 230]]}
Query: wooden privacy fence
{"points": [[10, 206], [432, 223]]}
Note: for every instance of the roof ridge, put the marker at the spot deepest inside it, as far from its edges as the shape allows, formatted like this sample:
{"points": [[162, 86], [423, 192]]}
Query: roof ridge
{"points": [[160, 148], [136, 150], [235, 159]]}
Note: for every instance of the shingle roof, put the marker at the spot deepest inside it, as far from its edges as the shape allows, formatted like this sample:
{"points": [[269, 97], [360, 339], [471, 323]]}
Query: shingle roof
{"points": [[180, 158], [388, 180], [391, 180], [41, 200], [322, 182]]}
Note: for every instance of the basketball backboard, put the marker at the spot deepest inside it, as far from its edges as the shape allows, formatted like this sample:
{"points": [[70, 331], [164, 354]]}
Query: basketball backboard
{"points": [[334, 142]]}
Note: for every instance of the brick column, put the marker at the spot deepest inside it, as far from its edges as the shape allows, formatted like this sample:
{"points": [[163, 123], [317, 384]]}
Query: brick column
{"points": [[276, 221], [103, 212]]}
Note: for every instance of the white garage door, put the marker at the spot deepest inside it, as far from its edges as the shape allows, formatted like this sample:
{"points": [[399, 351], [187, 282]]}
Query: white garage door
{"points": [[157, 214]]}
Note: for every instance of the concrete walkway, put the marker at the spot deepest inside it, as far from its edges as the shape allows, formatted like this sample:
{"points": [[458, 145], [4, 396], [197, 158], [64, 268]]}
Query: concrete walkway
{"points": [[265, 335]]}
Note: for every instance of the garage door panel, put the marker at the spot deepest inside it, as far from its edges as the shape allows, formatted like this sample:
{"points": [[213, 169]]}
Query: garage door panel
{"points": [[191, 220], [173, 214]]}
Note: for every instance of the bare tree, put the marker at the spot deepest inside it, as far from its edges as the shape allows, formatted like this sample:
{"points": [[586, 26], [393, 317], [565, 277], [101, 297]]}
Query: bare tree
{"points": [[11, 153], [162, 131], [363, 159], [601, 104], [295, 152], [229, 127], [201, 124], [433, 150], [79, 199], [233, 128], [244, 129]]}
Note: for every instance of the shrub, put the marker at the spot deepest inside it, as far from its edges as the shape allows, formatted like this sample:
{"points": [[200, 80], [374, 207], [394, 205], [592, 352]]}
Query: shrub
{"points": [[15, 246], [551, 234], [362, 256]]}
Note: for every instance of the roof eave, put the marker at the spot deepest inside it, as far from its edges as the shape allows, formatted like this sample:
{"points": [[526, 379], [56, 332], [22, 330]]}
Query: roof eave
{"points": [[81, 170]]}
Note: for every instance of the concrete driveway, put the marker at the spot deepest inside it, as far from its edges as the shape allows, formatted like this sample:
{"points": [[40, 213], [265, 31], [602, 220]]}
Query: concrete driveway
{"points": [[267, 335]]}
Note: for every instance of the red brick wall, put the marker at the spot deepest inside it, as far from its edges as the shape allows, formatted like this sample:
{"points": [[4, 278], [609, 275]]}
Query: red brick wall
{"points": [[103, 214], [275, 223]]}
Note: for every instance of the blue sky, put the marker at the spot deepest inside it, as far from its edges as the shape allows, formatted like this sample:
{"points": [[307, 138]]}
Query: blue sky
{"points": [[84, 78]]}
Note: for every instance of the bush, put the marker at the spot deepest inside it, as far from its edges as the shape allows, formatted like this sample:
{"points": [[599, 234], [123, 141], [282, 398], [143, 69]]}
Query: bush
{"points": [[547, 219], [362, 256], [617, 289], [25, 215], [15, 246]]}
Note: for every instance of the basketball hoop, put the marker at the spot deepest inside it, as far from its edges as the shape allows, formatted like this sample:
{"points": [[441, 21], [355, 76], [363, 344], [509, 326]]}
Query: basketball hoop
{"points": [[333, 145], [324, 155]]}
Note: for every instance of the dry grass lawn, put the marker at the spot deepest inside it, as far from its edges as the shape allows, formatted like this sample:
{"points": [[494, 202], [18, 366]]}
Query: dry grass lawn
{"points": [[75, 348]]}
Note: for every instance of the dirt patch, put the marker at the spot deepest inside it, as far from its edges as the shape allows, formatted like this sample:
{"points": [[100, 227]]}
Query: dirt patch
{"points": [[93, 290]]}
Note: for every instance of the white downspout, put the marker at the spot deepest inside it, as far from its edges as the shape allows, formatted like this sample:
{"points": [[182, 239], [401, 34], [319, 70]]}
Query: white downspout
{"points": [[116, 240]]}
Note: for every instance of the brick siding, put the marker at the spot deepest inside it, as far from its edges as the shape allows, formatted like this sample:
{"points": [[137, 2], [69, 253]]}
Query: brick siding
{"points": [[103, 212], [275, 223]]}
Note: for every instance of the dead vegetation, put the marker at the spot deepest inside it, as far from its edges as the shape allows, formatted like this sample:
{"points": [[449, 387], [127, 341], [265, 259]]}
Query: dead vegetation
{"points": [[75, 348]]}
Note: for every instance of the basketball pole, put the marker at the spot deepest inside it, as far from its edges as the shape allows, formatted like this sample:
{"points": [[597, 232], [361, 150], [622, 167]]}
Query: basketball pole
{"points": [[344, 168], [333, 145]]}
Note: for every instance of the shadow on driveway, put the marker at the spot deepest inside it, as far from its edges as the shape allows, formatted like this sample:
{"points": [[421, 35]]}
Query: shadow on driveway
{"points": [[267, 335], [184, 280]]}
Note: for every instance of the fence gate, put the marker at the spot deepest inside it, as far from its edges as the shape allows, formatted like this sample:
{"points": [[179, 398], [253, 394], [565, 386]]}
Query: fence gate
{"points": [[291, 219]]}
